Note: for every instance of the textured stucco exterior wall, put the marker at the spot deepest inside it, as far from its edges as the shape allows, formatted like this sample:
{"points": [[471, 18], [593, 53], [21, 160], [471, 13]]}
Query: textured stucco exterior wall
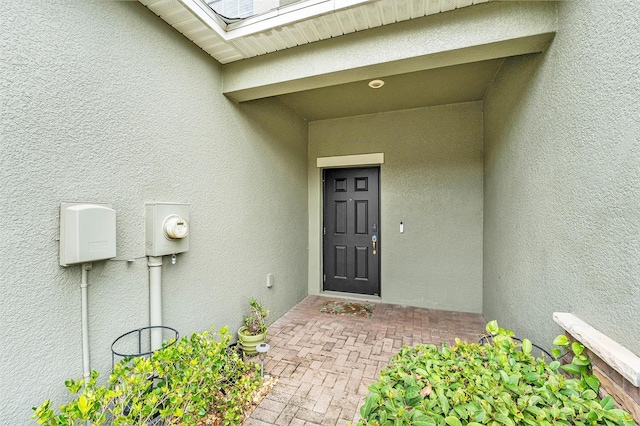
{"points": [[562, 179], [431, 180], [102, 101]]}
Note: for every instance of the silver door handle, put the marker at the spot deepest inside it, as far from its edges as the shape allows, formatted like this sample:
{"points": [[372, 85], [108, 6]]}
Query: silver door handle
{"points": [[374, 241]]}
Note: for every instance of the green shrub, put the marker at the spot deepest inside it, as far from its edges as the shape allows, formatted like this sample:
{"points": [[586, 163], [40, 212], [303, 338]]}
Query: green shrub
{"points": [[181, 384], [497, 383]]}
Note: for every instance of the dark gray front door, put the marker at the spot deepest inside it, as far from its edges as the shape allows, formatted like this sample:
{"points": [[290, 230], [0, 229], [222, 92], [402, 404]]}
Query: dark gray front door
{"points": [[351, 243]]}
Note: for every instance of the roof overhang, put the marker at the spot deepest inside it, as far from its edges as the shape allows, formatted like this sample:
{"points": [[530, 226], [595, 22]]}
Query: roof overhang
{"points": [[289, 26], [469, 35], [323, 43]]}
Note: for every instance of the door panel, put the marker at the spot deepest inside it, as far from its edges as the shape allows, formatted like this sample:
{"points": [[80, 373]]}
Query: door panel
{"points": [[341, 217], [362, 263], [361, 216], [351, 221], [341, 262]]}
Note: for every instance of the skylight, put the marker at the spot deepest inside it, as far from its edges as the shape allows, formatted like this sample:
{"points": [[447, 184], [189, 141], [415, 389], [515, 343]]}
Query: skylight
{"points": [[236, 10]]}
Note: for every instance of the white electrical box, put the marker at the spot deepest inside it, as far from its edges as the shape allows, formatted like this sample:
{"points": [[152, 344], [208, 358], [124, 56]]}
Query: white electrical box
{"points": [[87, 232], [167, 228]]}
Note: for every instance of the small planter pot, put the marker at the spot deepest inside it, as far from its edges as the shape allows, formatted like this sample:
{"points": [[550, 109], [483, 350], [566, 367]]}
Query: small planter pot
{"points": [[248, 342]]}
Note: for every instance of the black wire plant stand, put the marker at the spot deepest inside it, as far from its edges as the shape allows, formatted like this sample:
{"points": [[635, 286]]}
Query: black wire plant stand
{"points": [[143, 336], [143, 331]]}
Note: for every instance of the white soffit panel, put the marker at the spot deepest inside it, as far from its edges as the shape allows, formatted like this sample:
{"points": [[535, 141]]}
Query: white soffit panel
{"points": [[289, 26]]}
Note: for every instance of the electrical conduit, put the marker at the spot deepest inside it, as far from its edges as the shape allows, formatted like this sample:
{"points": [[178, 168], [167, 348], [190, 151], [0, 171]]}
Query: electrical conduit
{"points": [[155, 300], [86, 368]]}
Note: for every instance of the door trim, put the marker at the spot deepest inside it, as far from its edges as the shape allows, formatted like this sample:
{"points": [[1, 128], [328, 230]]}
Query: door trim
{"points": [[346, 161], [374, 159]]}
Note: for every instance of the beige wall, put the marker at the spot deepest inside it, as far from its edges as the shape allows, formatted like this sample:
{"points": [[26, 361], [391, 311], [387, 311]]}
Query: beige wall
{"points": [[562, 162], [431, 181], [103, 101]]}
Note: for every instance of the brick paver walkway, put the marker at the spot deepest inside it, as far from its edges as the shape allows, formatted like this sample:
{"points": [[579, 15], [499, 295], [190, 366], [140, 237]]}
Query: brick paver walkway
{"points": [[326, 362]]}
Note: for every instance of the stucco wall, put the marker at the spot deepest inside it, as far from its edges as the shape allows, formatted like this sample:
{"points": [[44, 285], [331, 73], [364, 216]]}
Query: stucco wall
{"points": [[103, 101], [431, 181], [562, 178]]}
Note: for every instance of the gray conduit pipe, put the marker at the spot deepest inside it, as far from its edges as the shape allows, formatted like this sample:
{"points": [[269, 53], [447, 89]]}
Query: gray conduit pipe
{"points": [[155, 300], [86, 368]]}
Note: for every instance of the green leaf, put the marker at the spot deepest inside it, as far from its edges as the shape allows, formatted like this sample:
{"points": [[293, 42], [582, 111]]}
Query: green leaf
{"points": [[83, 405], [581, 360], [460, 411], [513, 380], [452, 421], [424, 422], [615, 414], [444, 403], [369, 402], [537, 411], [607, 402], [554, 365], [567, 412], [526, 346], [528, 419], [571, 368], [422, 372], [479, 416], [505, 420], [492, 327], [577, 348], [593, 382], [561, 340], [531, 376]]}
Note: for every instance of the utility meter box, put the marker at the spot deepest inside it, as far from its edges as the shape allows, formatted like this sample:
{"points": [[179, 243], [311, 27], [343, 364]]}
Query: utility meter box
{"points": [[87, 232], [167, 228]]}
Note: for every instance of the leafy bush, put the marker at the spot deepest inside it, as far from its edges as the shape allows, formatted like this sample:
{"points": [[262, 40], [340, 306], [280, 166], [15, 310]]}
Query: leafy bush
{"points": [[496, 383], [180, 384]]}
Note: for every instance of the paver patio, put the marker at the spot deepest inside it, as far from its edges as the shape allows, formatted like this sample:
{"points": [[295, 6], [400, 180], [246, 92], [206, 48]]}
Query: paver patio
{"points": [[326, 362]]}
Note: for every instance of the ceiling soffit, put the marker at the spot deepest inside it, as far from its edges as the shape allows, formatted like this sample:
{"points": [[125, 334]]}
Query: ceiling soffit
{"points": [[290, 26]]}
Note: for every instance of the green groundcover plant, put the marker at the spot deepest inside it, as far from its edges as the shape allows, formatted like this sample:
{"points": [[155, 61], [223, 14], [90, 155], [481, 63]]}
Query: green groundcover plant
{"points": [[179, 384], [497, 383]]}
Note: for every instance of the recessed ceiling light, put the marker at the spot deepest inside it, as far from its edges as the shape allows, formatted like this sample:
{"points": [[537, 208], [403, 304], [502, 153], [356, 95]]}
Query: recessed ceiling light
{"points": [[376, 84]]}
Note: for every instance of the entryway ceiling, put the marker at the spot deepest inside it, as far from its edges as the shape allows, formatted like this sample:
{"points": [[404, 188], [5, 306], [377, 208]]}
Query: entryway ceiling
{"points": [[439, 86]]}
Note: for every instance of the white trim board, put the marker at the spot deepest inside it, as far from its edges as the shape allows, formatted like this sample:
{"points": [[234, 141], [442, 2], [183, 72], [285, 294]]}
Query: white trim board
{"points": [[373, 159]]}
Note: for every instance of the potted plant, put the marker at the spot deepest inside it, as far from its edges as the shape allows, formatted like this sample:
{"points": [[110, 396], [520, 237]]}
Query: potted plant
{"points": [[254, 330]]}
